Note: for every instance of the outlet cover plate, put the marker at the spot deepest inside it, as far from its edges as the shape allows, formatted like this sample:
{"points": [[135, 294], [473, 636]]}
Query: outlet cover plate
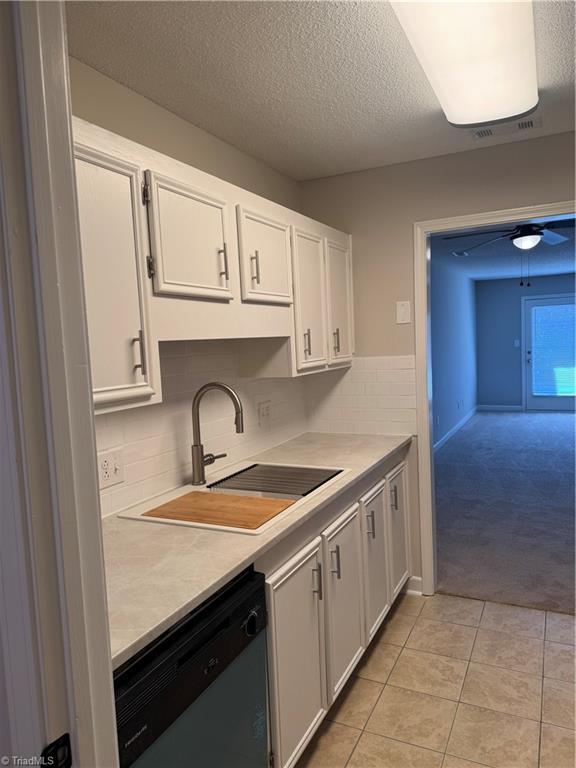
{"points": [[110, 468]]}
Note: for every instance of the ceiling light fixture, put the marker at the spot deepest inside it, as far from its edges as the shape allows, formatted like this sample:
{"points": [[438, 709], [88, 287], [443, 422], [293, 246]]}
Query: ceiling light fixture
{"points": [[526, 241], [479, 57]]}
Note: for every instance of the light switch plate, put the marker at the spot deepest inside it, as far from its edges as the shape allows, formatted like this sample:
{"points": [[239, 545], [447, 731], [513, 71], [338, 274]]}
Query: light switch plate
{"points": [[403, 312], [110, 468]]}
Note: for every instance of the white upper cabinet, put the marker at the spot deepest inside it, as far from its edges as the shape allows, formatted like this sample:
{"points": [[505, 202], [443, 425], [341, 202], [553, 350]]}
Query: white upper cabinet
{"points": [[309, 299], [398, 530], [188, 239], [264, 246], [339, 299], [344, 610], [112, 230]]}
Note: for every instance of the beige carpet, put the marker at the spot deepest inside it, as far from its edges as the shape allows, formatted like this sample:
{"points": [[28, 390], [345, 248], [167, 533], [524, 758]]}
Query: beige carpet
{"points": [[505, 510]]}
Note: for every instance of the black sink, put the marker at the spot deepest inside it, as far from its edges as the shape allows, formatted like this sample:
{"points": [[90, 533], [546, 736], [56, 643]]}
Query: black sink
{"points": [[274, 481]]}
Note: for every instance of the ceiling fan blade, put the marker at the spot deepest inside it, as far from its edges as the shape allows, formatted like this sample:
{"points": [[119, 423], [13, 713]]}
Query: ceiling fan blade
{"points": [[561, 224], [490, 232], [466, 251], [553, 238]]}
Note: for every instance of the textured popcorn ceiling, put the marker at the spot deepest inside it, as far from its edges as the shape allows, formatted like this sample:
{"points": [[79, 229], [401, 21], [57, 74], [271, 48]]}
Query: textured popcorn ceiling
{"points": [[311, 88]]}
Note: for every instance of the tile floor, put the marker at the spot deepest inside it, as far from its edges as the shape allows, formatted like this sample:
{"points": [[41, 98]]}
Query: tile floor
{"points": [[456, 683]]}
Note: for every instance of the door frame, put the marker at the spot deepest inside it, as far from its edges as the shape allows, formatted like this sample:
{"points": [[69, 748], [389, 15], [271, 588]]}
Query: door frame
{"points": [[54, 639], [523, 301], [424, 405]]}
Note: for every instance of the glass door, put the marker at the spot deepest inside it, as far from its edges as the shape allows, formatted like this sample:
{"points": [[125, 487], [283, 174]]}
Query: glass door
{"points": [[549, 353]]}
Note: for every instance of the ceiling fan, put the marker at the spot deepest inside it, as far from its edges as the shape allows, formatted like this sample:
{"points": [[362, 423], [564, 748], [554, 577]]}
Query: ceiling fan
{"points": [[523, 236]]}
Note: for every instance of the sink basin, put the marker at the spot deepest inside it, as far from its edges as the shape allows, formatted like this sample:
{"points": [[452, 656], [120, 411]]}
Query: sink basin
{"points": [[274, 481]]}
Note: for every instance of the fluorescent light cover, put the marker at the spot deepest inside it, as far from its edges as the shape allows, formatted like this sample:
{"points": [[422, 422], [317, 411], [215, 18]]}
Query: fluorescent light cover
{"points": [[479, 57], [527, 241]]}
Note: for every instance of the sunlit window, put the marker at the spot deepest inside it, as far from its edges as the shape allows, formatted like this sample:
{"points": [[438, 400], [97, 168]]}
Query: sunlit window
{"points": [[553, 350]]}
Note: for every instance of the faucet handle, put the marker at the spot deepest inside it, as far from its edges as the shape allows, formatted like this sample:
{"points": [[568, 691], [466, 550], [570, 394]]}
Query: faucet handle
{"points": [[210, 458]]}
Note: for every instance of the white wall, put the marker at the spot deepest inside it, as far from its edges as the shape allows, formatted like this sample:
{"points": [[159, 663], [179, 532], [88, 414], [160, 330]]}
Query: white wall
{"points": [[453, 343]]}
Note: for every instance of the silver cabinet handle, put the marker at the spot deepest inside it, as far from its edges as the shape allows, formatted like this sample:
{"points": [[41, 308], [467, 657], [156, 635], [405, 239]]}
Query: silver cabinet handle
{"points": [[142, 364], [394, 498], [371, 531], [308, 342], [336, 335], [318, 590], [256, 260], [224, 251], [338, 569]]}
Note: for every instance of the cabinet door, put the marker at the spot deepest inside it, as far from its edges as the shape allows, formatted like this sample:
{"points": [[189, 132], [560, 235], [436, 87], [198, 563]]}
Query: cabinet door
{"points": [[296, 652], [344, 609], [375, 551], [111, 223], [398, 530], [309, 299], [264, 258], [339, 294], [188, 239]]}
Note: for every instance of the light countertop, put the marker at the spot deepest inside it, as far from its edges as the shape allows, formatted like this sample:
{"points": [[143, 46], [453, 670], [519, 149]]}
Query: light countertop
{"points": [[156, 573]]}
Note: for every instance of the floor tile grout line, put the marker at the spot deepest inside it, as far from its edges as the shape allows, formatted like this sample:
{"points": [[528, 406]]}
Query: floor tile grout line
{"points": [[424, 693], [408, 743], [542, 689]]}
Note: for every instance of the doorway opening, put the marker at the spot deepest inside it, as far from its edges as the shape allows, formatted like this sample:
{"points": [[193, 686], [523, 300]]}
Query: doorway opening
{"points": [[502, 365]]}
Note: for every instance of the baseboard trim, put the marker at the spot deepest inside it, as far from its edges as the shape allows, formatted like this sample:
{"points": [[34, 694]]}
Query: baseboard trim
{"points": [[451, 432], [499, 408], [413, 585]]}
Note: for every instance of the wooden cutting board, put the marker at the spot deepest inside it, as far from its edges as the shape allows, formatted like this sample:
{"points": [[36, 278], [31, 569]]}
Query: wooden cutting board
{"points": [[221, 509]]}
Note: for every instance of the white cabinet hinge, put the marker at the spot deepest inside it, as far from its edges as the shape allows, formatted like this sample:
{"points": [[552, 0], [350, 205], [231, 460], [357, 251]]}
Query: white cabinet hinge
{"points": [[145, 193]]}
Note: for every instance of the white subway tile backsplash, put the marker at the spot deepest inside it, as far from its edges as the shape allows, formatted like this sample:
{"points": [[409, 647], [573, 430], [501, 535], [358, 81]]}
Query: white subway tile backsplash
{"points": [[375, 396]]}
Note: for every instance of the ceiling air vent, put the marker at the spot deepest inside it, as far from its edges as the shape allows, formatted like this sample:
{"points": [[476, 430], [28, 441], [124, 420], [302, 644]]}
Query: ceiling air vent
{"points": [[511, 126], [483, 133], [525, 124]]}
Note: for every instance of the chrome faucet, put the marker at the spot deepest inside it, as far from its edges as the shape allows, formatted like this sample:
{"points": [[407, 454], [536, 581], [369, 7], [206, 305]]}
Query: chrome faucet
{"points": [[199, 460]]}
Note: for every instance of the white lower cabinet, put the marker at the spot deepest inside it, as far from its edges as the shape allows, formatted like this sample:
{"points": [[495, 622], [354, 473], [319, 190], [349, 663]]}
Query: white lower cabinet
{"points": [[398, 530], [343, 604], [375, 557], [325, 605], [296, 652]]}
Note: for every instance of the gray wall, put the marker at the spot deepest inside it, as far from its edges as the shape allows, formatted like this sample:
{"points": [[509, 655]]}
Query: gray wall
{"points": [[453, 342], [104, 102], [498, 323], [5, 748], [379, 207]]}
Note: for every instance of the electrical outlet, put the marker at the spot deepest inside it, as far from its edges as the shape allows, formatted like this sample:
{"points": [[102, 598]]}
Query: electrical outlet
{"points": [[110, 468], [264, 412]]}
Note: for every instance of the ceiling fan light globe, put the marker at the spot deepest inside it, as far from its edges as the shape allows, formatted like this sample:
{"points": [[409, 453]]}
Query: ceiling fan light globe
{"points": [[526, 242]]}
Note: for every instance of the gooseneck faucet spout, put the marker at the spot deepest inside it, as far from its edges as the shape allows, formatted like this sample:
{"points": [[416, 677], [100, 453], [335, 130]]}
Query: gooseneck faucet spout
{"points": [[199, 460]]}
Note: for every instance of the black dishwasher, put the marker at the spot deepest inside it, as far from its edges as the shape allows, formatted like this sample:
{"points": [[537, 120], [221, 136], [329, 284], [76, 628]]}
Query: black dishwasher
{"points": [[197, 696]]}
